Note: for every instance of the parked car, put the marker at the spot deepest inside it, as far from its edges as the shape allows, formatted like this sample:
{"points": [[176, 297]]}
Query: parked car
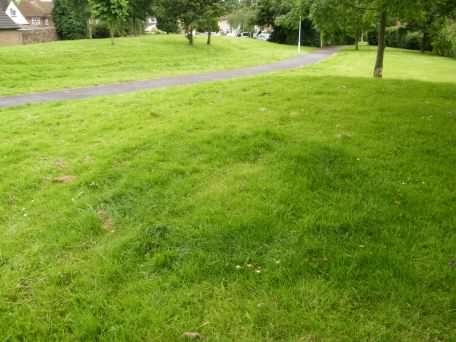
{"points": [[264, 36], [245, 34]]}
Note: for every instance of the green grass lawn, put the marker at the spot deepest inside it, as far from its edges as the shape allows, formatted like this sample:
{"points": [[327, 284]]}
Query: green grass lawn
{"points": [[310, 205], [81, 63], [400, 65]]}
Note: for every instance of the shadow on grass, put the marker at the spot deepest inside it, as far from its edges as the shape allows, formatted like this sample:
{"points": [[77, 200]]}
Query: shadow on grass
{"points": [[296, 200]]}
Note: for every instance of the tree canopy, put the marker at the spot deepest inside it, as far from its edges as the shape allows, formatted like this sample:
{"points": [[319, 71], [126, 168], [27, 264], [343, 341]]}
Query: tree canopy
{"points": [[345, 21]]}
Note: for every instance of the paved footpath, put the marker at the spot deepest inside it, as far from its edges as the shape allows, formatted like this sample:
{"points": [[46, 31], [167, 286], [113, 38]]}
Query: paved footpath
{"points": [[127, 87]]}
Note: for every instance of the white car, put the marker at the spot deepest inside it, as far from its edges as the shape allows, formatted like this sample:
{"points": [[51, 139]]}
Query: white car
{"points": [[264, 36]]}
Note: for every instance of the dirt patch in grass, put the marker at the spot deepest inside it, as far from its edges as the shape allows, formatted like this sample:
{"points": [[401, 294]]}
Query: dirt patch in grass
{"points": [[64, 179]]}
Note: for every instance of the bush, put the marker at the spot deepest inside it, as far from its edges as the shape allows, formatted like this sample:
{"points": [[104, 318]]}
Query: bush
{"points": [[413, 40], [309, 36], [398, 37], [372, 38], [444, 42], [70, 18], [101, 30]]}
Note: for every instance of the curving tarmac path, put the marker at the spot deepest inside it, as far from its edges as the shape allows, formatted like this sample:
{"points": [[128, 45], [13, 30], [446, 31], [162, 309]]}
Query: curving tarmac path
{"points": [[127, 87]]}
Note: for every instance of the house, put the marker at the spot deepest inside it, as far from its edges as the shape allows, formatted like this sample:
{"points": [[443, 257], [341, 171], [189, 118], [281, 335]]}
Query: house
{"points": [[13, 12], [226, 28], [151, 24], [38, 13], [9, 30], [4, 4], [26, 22]]}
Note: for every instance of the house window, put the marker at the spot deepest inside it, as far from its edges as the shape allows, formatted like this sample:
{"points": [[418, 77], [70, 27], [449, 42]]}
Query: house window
{"points": [[13, 13], [36, 20], [46, 21]]}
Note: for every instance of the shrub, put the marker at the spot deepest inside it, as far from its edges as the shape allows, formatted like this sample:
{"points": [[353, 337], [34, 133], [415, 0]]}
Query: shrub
{"points": [[372, 38], [444, 42], [398, 37], [309, 36], [413, 40], [70, 18], [101, 30]]}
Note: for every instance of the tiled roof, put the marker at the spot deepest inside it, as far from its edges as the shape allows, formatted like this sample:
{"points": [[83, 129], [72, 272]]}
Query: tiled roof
{"points": [[4, 5], [6, 23], [36, 8]]}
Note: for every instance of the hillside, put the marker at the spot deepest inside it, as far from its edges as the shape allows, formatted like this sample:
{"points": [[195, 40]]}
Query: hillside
{"points": [[69, 64]]}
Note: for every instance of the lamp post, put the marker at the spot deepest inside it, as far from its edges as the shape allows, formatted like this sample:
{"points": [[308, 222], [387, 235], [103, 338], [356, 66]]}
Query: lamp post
{"points": [[300, 28]]}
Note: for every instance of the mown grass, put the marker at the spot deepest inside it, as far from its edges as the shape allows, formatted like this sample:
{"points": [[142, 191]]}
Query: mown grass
{"points": [[400, 65], [286, 207], [70, 64]]}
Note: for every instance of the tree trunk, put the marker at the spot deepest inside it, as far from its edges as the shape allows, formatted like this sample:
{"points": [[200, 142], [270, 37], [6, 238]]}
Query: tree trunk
{"points": [[322, 40], [378, 71], [94, 26], [424, 41], [89, 29], [209, 35], [111, 33], [357, 34], [189, 35]]}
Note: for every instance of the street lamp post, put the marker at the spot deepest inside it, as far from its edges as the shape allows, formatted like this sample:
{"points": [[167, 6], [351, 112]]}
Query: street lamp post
{"points": [[300, 28]]}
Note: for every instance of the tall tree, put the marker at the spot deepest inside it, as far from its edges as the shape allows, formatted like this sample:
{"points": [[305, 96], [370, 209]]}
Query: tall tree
{"points": [[390, 9], [328, 17], [208, 21], [113, 12], [138, 12], [386, 11], [430, 19], [185, 12], [244, 18]]}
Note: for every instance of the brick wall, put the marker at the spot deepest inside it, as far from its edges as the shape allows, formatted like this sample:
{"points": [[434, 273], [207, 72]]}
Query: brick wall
{"points": [[10, 37], [38, 35]]}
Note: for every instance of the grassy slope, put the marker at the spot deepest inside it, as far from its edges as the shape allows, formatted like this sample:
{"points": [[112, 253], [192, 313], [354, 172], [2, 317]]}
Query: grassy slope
{"points": [[339, 190], [89, 62]]}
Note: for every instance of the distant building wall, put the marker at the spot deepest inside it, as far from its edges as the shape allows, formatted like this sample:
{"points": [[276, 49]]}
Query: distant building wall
{"points": [[10, 37], [38, 35], [226, 28], [27, 36], [40, 21]]}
